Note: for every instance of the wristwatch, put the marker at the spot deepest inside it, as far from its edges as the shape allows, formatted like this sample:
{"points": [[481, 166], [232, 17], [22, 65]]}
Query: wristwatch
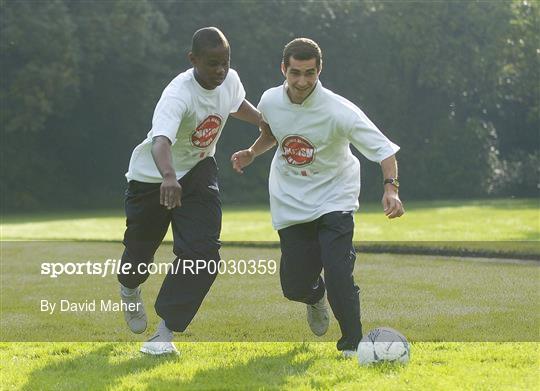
{"points": [[392, 181]]}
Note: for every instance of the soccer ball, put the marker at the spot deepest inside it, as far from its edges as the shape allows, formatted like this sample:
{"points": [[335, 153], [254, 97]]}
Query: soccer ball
{"points": [[383, 344]]}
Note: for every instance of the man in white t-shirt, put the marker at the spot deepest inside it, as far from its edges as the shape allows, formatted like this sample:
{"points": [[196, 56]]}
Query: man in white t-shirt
{"points": [[314, 187], [172, 178]]}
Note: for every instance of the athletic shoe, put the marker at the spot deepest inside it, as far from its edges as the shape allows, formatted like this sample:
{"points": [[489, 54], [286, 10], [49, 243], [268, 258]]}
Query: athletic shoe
{"points": [[349, 354], [158, 348], [317, 317], [161, 342], [136, 319]]}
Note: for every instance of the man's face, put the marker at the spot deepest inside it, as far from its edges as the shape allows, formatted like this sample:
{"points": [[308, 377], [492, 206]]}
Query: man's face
{"points": [[302, 76], [211, 66]]}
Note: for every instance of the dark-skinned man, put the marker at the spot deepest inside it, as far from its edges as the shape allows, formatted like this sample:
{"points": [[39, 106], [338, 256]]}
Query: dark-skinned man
{"points": [[172, 179]]}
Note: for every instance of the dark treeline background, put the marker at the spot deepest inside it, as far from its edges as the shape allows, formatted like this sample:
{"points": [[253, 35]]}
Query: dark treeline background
{"points": [[455, 84]]}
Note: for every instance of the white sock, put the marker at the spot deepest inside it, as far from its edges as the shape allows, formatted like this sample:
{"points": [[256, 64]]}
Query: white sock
{"points": [[162, 328], [128, 291], [162, 334]]}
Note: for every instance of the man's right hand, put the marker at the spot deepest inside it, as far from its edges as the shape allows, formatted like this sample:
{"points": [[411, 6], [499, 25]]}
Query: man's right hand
{"points": [[242, 159], [170, 193], [245, 157]]}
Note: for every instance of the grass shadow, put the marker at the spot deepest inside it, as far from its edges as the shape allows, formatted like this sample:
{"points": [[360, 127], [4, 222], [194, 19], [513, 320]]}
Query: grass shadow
{"points": [[97, 370], [263, 372], [93, 370]]}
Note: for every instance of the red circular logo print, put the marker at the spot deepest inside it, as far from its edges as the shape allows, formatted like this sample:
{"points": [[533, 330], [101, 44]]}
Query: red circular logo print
{"points": [[206, 132], [297, 150]]}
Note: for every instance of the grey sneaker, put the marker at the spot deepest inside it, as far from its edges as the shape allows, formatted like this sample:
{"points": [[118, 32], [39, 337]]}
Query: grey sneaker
{"points": [[349, 354], [317, 317], [135, 314]]}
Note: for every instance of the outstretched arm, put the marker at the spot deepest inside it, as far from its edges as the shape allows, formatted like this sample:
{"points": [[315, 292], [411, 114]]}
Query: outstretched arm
{"points": [[248, 113], [391, 203], [245, 157]]}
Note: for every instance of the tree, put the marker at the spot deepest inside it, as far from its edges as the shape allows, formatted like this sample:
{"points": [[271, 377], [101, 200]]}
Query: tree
{"points": [[38, 63]]}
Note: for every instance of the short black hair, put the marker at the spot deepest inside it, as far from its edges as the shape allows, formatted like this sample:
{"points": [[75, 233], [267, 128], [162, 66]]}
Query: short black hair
{"points": [[207, 37], [302, 49]]}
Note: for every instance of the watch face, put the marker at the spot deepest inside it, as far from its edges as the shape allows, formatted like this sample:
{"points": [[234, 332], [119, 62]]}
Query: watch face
{"points": [[392, 181]]}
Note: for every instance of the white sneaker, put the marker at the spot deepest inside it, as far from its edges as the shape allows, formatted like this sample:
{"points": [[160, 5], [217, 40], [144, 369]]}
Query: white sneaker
{"points": [[349, 354], [136, 319], [317, 317], [158, 348], [161, 342]]}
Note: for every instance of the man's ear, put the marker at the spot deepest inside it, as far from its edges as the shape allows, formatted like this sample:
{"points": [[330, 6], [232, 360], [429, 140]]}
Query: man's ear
{"points": [[192, 58], [320, 69], [283, 69]]}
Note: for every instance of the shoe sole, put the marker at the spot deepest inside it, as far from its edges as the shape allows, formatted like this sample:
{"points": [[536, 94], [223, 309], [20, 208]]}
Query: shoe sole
{"points": [[327, 325], [154, 353], [137, 331], [319, 333]]}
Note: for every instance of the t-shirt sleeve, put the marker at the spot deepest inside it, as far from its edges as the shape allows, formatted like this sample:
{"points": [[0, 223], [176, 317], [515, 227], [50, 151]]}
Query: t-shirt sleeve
{"points": [[238, 93], [367, 138], [168, 116]]}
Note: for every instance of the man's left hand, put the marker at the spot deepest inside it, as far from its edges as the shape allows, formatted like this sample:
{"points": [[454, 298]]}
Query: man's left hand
{"points": [[392, 204]]}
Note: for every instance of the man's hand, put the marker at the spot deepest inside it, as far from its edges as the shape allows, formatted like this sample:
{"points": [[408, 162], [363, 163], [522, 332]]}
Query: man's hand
{"points": [[245, 157], [391, 203], [170, 193], [242, 159]]}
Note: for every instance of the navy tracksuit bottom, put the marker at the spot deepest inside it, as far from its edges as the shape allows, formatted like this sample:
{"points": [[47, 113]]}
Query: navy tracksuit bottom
{"points": [[196, 226], [323, 244]]}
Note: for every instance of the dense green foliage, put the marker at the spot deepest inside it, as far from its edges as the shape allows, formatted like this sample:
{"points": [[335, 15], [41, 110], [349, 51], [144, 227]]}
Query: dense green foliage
{"points": [[455, 84]]}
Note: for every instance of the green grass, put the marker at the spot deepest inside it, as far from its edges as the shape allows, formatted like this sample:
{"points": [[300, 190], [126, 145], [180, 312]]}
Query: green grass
{"points": [[265, 366], [439, 302], [485, 220], [432, 298]]}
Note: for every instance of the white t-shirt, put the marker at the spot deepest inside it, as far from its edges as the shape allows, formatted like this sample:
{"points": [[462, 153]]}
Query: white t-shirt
{"points": [[314, 171], [192, 118]]}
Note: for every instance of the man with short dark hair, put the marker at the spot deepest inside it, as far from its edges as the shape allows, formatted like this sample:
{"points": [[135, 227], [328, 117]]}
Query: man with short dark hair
{"points": [[314, 186], [172, 178]]}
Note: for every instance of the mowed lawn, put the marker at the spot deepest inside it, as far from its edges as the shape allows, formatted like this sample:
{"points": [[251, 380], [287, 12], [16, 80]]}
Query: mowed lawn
{"points": [[456, 312], [469, 220], [429, 298], [265, 366]]}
